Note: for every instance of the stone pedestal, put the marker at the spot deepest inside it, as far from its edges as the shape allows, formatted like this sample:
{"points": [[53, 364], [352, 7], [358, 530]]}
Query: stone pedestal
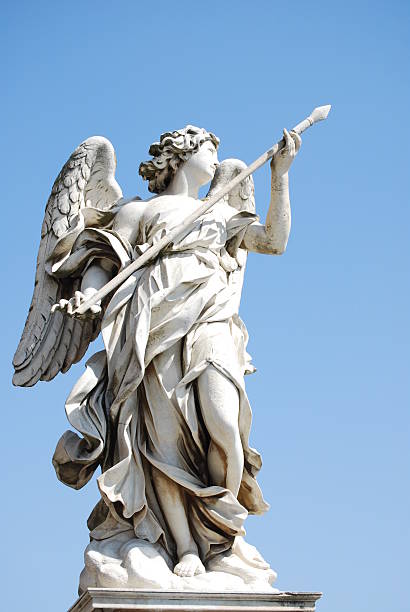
{"points": [[138, 600]]}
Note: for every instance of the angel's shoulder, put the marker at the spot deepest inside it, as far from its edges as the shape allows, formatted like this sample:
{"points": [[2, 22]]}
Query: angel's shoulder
{"points": [[128, 216]]}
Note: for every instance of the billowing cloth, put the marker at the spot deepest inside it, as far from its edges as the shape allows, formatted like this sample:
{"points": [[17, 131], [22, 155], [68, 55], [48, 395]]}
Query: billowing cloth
{"points": [[181, 308]]}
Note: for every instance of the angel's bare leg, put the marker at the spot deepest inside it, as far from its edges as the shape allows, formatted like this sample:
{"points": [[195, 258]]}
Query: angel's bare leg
{"points": [[219, 399], [173, 506], [171, 498]]}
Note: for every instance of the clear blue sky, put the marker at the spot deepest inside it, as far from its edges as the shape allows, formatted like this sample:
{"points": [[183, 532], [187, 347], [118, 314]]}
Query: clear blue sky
{"points": [[329, 320]]}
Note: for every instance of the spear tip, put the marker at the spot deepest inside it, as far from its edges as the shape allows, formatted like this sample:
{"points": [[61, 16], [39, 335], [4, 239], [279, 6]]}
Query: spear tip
{"points": [[320, 113]]}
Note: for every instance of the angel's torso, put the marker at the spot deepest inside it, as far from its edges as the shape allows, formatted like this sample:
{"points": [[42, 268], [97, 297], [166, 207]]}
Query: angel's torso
{"points": [[145, 222]]}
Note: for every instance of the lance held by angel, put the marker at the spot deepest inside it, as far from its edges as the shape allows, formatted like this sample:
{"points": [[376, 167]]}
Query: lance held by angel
{"points": [[162, 410]]}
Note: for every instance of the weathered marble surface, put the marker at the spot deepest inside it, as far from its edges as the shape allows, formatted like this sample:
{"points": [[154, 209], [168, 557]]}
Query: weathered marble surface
{"points": [[113, 600], [162, 410]]}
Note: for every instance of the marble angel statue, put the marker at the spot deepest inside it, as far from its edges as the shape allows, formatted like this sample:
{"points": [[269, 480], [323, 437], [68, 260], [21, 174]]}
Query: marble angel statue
{"points": [[162, 410]]}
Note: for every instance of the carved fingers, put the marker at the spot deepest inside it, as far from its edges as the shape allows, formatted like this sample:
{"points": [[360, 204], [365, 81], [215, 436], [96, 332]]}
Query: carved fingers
{"points": [[282, 161], [297, 141], [69, 307]]}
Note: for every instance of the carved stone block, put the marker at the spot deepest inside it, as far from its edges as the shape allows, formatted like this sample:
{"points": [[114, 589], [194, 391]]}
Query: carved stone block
{"points": [[137, 600]]}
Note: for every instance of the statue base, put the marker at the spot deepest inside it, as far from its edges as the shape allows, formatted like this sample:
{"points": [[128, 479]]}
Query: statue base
{"points": [[139, 600], [123, 561]]}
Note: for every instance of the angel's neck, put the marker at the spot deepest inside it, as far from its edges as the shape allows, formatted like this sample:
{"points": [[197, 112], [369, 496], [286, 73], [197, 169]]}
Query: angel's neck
{"points": [[183, 184]]}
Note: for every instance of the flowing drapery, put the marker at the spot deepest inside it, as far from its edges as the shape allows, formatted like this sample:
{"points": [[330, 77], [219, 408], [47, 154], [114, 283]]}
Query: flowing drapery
{"points": [[183, 305]]}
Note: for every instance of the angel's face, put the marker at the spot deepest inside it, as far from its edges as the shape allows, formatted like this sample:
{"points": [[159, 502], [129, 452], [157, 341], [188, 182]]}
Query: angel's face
{"points": [[201, 165]]}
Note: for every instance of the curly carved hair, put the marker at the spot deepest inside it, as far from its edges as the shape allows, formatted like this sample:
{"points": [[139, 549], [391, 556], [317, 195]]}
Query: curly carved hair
{"points": [[170, 152]]}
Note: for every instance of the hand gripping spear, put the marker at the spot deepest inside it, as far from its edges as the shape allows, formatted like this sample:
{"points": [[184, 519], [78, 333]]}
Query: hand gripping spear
{"points": [[318, 114]]}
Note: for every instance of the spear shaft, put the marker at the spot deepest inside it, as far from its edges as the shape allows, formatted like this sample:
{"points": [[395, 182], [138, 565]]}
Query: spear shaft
{"points": [[318, 114]]}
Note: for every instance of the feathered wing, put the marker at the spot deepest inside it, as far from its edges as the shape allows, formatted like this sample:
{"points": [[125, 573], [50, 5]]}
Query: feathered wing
{"points": [[242, 197], [52, 342]]}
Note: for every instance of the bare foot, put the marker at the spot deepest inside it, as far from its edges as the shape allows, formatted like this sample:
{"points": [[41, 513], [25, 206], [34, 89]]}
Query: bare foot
{"points": [[189, 565], [249, 554]]}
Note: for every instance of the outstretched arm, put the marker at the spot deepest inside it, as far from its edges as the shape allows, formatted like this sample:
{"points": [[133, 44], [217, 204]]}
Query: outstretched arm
{"points": [[272, 237]]}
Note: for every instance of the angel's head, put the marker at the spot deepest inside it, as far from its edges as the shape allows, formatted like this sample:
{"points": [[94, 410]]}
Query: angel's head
{"points": [[176, 148]]}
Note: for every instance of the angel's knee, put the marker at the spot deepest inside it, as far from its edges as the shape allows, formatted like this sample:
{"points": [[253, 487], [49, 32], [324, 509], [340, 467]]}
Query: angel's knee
{"points": [[219, 400]]}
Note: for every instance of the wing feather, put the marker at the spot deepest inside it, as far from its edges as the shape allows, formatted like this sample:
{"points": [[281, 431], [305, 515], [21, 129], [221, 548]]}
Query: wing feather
{"points": [[73, 350], [87, 336], [56, 364], [50, 342], [241, 197]]}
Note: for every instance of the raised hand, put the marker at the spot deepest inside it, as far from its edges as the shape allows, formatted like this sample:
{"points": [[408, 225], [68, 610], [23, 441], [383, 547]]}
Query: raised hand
{"points": [[283, 159], [69, 306]]}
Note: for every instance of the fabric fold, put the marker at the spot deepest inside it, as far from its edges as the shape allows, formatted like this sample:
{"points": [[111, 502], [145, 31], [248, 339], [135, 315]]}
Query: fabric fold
{"points": [[183, 305]]}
